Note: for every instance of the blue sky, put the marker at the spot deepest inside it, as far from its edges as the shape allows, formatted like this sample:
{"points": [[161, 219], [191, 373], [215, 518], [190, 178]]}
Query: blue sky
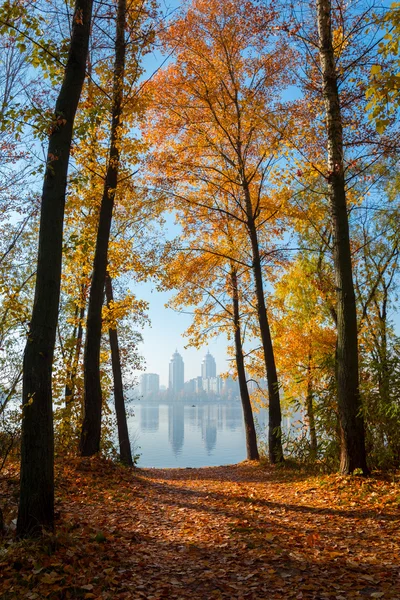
{"points": [[164, 336]]}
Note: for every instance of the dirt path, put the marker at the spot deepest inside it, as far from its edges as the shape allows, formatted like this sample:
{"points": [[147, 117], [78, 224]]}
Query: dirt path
{"points": [[228, 532]]}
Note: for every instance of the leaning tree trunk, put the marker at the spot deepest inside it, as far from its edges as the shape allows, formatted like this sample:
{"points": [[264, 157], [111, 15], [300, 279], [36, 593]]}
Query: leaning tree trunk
{"points": [[125, 454], [275, 450], [36, 507], [353, 455], [251, 438], [91, 427]]}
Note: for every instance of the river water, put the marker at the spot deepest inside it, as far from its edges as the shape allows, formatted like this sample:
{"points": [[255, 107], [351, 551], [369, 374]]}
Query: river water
{"points": [[180, 434]]}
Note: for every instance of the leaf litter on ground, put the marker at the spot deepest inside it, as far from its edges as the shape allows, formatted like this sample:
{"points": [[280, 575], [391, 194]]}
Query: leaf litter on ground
{"points": [[245, 531]]}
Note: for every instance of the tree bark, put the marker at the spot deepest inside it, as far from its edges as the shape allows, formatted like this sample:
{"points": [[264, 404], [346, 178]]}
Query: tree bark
{"points": [[353, 455], [91, 427], [275, 450], [310, 412], [36, 506], [251, 438], [125, 454], [384, 371]]}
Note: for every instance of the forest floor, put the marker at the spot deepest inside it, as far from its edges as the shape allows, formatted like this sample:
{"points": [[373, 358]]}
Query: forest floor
{"points": [[244, 531]]}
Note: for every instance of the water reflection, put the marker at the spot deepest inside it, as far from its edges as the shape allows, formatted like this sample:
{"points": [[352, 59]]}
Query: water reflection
{"points": [[210, 436], [176, 427], [183, 434], [209, 427], [149, 417]]}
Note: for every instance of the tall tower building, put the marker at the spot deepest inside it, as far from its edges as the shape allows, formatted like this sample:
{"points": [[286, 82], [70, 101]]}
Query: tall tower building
{"points": [[208, 367], [176, 372]]}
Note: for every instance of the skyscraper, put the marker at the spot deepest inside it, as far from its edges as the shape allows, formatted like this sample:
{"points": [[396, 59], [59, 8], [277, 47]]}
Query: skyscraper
{"points": [[208, 366], [176, 372]]}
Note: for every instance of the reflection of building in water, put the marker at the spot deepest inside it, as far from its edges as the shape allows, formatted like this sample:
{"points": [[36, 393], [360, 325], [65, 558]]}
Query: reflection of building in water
{"points": [[209, 428], [176, 372], [176, 426], [149, 384], [220, 416], [210, 436], [233, 416], [149, 417], [191, 415]]}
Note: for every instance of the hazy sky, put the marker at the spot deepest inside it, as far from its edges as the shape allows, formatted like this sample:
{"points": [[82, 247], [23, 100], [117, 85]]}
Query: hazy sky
{"points": [[165, 335]]}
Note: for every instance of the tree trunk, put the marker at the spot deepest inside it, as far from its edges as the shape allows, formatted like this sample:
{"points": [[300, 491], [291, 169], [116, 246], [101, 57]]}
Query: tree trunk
{"points": [[310, 412], [91, 427], [251, 438], [353, 455], [275, 450], [125, 454], [70, 380], [36, 507], [69, 393], [384, 370]]}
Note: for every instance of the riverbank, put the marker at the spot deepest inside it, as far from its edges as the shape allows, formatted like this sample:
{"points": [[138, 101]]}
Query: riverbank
{"points": [[243, 531]]}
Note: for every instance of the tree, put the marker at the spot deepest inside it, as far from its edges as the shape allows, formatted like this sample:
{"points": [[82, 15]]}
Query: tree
{"points": [[123, 434], [337, 44], [36, 507], [130, 19], [353, 455], [91, 427], [376, 280], [251, 440], [216, 149]]}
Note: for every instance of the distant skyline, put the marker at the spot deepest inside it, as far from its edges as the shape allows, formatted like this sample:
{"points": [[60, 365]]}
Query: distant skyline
{"points": [[164, 336]]}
